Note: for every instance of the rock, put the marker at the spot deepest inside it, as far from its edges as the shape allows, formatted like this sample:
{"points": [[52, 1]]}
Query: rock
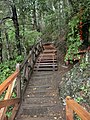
{"points": [[76, 79]]}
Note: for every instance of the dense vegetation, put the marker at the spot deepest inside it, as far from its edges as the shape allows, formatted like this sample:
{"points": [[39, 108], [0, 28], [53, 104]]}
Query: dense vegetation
{"points": [[25, 22]]}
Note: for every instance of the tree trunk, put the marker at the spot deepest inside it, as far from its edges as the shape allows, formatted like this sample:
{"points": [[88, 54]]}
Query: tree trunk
{"points": [[34, 16], [0, 47], [7, 45], [85, 34], [16, 25]]}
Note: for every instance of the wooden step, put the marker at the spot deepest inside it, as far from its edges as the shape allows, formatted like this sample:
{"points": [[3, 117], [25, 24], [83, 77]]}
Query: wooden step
{"points": [[39, 104], [41, 77], [40, 100], [40, 110], [27, 117], [41, 94], [42, 73], [49, 51], [41, 81], [45, 66], [38, 88], [46, 69], [35, 90], [44, 86], [47, 55], [46, 58], [48, 47], [46, 61]]}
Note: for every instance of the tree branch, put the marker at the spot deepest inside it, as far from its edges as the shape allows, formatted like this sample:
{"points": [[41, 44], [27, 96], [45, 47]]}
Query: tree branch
{"points": [[2, 20]]}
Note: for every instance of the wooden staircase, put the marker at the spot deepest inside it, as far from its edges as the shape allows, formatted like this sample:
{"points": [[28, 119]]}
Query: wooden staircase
{"points": [[47, 60], [41, 99]]}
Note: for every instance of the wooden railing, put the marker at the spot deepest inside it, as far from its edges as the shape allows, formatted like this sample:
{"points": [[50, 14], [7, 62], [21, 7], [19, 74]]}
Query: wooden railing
{"points": [[72, 106], [17, 82]]}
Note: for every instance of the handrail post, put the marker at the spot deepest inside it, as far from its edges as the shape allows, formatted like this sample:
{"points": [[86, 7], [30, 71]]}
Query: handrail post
{"points": [[18, 81], [41, 47], [69, 112]]}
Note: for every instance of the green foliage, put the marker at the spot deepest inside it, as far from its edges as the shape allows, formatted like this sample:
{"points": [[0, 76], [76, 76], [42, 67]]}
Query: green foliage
{"points": [[73, 49], [9, 111], [31, 37], [51, 30], [79, 99], [73, 39], [8, 67]]}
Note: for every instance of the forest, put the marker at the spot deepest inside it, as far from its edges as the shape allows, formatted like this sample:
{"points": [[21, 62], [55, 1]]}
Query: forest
{"points": [[23, 23]]}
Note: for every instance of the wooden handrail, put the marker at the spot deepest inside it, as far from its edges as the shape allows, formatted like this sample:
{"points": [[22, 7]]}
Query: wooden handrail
{"points": [[29, 55], [72, 106], [6, 103], [8, 81], [14, 81]]}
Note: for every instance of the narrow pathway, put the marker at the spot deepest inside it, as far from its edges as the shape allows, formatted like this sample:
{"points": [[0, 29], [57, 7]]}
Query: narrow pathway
{"points": [[41, 99]]}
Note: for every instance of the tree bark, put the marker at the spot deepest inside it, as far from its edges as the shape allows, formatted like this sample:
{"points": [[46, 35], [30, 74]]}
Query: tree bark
{"points": [[7, 45], [16, 25]]}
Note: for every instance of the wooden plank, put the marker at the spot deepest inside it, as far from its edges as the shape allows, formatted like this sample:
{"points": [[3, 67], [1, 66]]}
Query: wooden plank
{"points": [[46, 64], [69, 113], [48, 47], [9, 102], [46, 61], [8, 81], [46, 58], [44, 69], [49, 54], [81, 112], [53, 65], [49, 50], [19, 86]]}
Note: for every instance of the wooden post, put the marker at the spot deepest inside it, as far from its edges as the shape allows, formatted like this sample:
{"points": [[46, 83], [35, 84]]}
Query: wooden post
{"points": [[18, 81], [37, 50], [69, 112], [25, 71], [41, 47], [34, 55]]}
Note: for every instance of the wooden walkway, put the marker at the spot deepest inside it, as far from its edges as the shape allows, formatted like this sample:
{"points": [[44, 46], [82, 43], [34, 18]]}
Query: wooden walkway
{"points": [[37, 94], [41, 99]]}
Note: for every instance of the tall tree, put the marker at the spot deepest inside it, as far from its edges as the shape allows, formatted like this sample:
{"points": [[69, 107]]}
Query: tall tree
{"points": [[16, 25]]}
